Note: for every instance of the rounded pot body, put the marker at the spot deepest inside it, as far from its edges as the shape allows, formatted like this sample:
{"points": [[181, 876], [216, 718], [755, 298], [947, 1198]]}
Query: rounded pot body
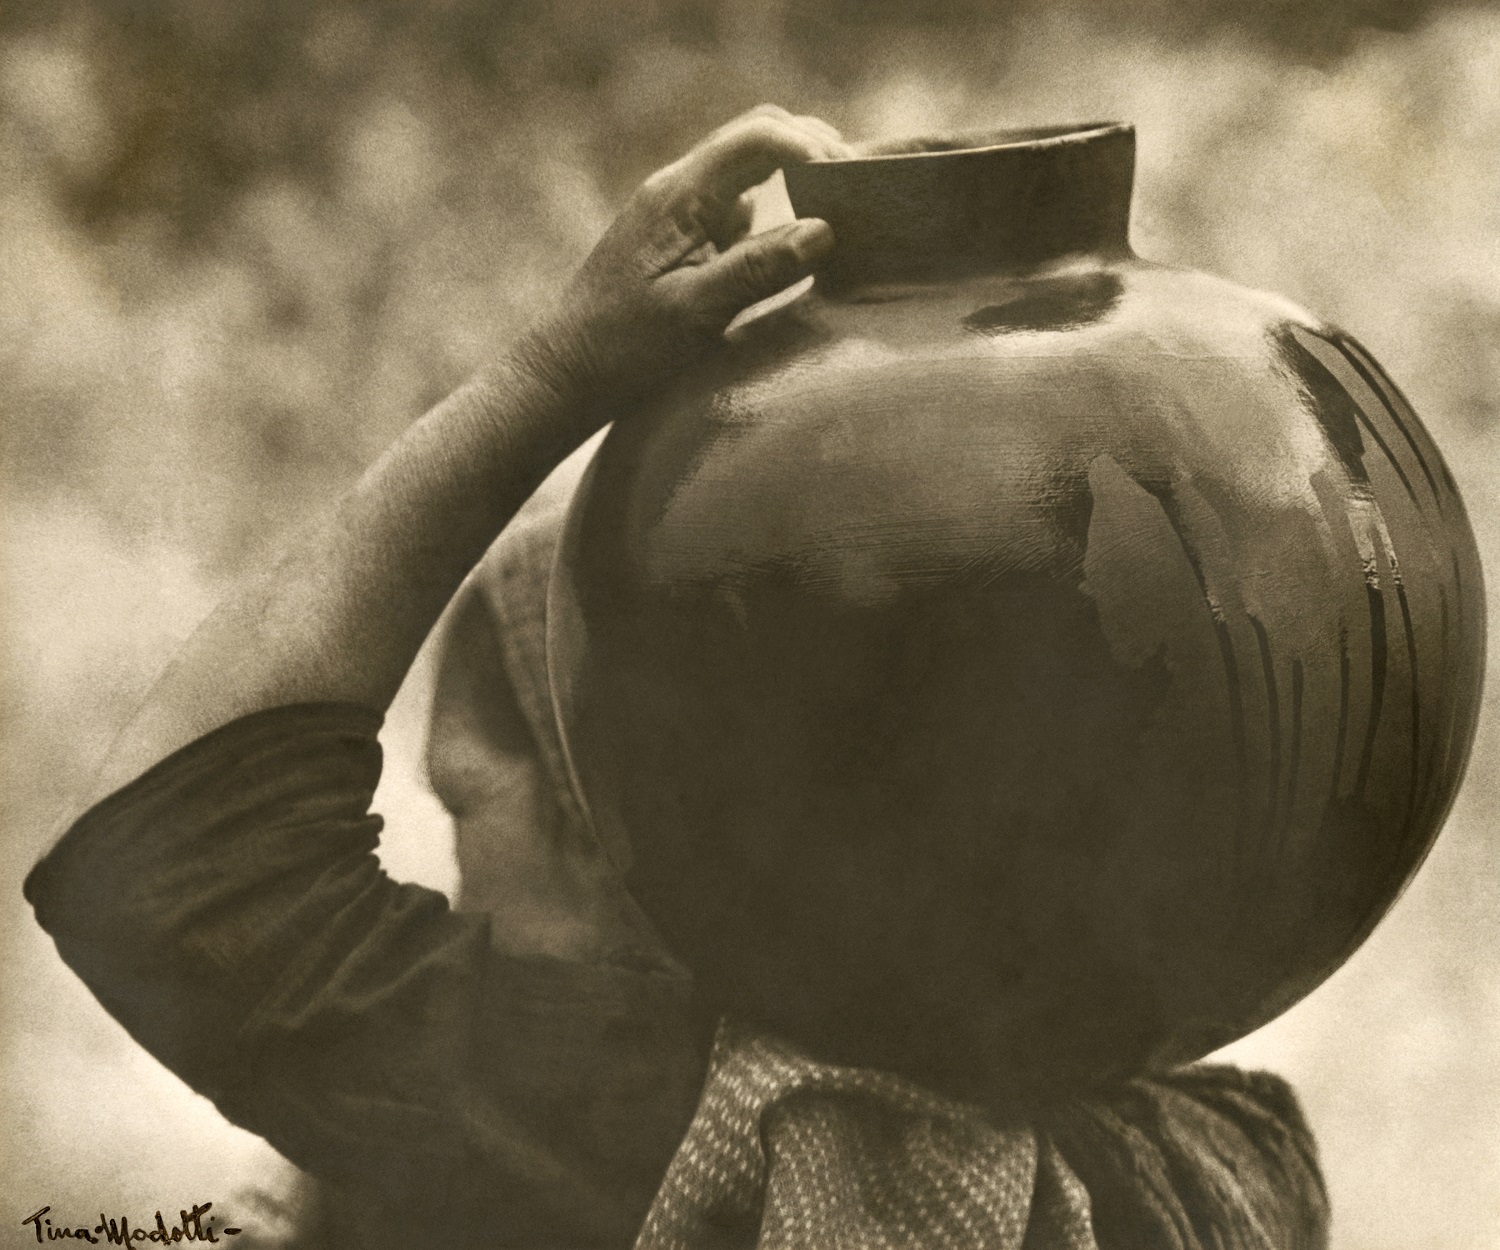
{"points": [[1017, 667]]}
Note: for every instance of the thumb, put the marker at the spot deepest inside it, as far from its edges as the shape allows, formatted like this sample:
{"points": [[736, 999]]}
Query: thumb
{"points": [[759, 266]]}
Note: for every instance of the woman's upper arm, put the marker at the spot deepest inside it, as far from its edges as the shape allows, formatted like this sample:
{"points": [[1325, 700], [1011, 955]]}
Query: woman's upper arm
{"points": [[229, 910]]}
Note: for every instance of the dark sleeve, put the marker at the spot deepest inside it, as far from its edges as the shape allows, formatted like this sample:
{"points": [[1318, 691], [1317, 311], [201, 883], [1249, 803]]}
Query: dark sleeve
{"points": [[228, 909], [1204, 1158]]}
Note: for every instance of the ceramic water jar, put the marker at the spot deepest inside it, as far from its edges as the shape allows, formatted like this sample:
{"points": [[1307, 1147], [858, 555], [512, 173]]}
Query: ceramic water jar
{"points": [[1015, 663]]}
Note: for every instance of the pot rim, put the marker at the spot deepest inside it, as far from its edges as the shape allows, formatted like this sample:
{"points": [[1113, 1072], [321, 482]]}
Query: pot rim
{"points": [[1028, 137]]}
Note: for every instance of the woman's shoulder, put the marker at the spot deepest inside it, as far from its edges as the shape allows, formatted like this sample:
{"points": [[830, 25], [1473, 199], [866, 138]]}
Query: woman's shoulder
{"points": [[1201, 1156]]}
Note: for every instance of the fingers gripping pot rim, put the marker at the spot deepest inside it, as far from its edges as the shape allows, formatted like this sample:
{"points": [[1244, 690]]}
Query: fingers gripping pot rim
{"points": [[1016, 664]]}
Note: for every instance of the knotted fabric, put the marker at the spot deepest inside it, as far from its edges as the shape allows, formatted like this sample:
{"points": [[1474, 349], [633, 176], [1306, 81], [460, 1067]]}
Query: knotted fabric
{"points": [[785, 1152]]}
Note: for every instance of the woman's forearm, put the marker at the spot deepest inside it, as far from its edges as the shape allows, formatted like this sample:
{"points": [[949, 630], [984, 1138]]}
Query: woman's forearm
{"points": [[339, 611]]}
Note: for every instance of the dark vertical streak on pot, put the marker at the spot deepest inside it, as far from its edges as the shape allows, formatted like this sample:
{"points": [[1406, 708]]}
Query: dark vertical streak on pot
{"points": [[1327, 402], [1294, 755], [1378, 662], [1341, 737], [1416, 703], [1273, 725], [1385, 450], [1364, 418], [1380, 383], [1225, 641], [1458, 579], [1443, 719]]}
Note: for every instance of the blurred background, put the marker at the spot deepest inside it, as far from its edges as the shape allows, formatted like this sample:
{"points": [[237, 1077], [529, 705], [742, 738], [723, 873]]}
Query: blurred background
{"points": [[242, 246]]}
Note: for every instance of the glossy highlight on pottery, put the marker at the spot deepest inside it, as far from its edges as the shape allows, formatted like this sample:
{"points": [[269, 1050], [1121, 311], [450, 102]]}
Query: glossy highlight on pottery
{"points": [[1015, 663]]}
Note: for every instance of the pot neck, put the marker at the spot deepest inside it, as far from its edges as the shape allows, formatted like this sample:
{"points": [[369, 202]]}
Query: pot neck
{"points": [[931, 210]]}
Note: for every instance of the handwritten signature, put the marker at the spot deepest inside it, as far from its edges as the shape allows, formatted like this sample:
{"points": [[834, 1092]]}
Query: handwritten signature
{"points": [[191, 1226]]}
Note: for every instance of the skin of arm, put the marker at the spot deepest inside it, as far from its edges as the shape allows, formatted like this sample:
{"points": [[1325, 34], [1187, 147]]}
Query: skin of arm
{"points": [[340, 610]]}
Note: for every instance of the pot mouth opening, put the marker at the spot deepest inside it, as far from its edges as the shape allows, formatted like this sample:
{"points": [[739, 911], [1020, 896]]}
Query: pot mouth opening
{"points": [[928, 146]]}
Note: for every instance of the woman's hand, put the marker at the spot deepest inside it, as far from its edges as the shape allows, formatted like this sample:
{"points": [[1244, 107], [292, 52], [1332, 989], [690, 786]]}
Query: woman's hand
{"points": [[678, 265]]}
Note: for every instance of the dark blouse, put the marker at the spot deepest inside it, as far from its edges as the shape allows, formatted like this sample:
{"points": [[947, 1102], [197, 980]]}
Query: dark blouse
{"points": [[229, 910]]}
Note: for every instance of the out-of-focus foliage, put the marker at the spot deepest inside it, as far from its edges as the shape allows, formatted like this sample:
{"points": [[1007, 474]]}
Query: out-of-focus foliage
{"points": [[391, 186], [243, 244], [203, 99]]}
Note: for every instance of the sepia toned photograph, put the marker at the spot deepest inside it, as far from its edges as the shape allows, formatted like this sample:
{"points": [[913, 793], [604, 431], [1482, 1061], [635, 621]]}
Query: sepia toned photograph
{"points": [[749, 624]]}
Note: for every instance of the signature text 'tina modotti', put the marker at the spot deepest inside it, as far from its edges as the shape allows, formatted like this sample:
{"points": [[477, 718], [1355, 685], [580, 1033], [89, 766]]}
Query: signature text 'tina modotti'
{"points": [[191, 1226]]}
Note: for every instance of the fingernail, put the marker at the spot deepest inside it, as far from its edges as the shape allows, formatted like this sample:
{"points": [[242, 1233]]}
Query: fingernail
{"points": [[812, 239]]}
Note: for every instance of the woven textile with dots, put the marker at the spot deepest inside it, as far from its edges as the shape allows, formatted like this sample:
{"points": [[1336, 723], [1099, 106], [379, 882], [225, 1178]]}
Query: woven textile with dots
{"points": [[788, 1153]]}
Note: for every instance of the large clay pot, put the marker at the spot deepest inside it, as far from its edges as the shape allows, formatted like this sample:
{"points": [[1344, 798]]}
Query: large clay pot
{"points": [[1015, 663]]}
